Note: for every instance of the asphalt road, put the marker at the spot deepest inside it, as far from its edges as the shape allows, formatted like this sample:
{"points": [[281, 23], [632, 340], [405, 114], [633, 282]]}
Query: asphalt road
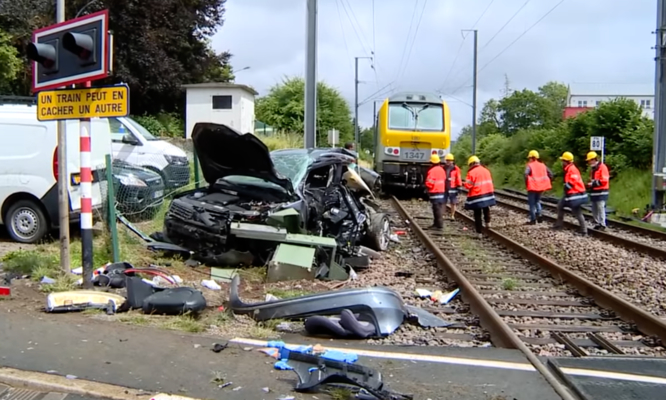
{"points": [[162, 361]]}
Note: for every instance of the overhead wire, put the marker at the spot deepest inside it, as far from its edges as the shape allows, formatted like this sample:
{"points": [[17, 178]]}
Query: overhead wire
{"points": [[344, 37], [409, 31], [411, 46], [512, 43], [358, 36], [453, 64], [465, 68]]}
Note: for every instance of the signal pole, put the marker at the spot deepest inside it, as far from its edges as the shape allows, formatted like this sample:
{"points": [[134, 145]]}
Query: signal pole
{"points": [[474, 74], [63, 193], [659, 148], [356, 82], [310, 117]]}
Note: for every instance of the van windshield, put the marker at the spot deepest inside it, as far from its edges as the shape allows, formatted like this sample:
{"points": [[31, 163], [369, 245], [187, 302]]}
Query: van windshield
{"points": [[143, 131]]}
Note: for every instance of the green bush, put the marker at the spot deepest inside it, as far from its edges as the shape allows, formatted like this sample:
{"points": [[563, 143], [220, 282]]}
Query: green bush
{"points": [[163, 124]]}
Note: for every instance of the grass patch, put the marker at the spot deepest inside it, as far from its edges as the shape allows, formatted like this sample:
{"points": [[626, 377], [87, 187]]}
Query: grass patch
{"points": [[509, 284], [288, 293], [254, 274], [35, 263], [185, 323], [261, 332], [340, 393]]}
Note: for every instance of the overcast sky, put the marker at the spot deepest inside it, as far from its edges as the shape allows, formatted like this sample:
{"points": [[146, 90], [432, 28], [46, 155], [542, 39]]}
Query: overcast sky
{"points": [[581, 41]]}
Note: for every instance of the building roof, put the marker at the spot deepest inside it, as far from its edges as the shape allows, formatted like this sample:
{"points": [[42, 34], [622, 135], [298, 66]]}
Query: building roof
{"points": [[611, 89], [221, 85]]}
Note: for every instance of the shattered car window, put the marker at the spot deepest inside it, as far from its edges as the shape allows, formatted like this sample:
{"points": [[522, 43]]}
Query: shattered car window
{"points": [[293, 166]]}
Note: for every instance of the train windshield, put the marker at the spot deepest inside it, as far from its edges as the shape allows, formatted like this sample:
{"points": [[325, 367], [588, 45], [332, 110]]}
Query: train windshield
{"points": [[404, 119]]}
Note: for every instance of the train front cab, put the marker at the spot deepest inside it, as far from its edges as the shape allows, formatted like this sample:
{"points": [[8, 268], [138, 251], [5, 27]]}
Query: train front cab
{"points": [[402, 151]]}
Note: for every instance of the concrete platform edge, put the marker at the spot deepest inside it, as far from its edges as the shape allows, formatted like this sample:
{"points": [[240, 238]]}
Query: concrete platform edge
{"points": [[56, 383]]}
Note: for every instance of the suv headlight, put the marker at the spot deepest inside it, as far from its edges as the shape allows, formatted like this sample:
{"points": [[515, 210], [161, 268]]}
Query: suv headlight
{"points": [[131, 180], [177, 160]]}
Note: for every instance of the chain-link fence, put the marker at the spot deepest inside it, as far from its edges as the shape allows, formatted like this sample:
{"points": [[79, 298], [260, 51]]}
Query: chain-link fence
{"points": [[141, 190]]}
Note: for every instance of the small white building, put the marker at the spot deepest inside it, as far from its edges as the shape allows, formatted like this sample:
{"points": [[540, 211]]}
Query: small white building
{"points": [[591, 94], [221, 103]]}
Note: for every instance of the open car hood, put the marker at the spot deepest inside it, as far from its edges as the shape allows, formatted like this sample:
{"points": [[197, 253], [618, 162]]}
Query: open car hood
{"points": [[223, 151]]}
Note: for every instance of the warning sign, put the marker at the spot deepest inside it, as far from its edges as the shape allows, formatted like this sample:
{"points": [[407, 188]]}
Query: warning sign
{"points": [[102, 102]]}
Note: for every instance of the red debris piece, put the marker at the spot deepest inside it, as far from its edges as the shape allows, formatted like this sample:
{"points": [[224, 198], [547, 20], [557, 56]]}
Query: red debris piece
{"points": [[5, 291]]}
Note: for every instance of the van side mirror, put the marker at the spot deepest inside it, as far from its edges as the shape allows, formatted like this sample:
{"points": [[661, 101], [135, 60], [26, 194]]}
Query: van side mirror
{"points": [[129, 139]]}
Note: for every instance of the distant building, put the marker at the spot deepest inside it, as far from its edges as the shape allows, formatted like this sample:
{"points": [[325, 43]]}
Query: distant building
{"points": [[585, 96], [222, 103]]}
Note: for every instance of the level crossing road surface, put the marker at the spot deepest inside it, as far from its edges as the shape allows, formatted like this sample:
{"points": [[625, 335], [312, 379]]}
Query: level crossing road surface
{"points": [[160, 361]]}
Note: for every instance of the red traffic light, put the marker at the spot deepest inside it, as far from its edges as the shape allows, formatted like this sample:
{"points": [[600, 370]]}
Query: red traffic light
{"points": [[81, 44], [44, 54]]}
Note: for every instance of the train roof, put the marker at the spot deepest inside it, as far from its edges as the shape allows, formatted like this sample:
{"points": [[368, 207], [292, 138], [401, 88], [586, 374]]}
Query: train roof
{"points": [[416, 97]]}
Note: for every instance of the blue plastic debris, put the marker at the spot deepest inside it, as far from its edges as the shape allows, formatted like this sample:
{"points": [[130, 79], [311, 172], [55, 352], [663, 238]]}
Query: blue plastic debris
{"points": [[341, 356], [283, 366]]}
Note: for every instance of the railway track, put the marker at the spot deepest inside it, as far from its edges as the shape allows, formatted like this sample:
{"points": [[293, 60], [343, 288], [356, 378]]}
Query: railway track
{"points": [[631, 237], [639, 231], [527, 302]]}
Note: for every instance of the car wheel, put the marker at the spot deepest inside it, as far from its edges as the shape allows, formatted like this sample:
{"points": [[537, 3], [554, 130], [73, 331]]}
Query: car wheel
{"points": [[26, 222], [379, 232]]}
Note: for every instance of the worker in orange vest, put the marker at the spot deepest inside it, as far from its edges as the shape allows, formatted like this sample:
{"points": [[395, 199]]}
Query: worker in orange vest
{"points": [[435, 183], [481, 192], [453, 182], [574, 194], [600, 184], [538, 180]]}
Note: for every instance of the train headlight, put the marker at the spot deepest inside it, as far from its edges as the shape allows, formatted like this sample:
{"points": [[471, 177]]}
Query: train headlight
{"points": [[439, 152], [392, 151]]}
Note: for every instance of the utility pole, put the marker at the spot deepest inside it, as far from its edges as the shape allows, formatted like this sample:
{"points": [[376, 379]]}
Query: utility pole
{"points": [[356, 82], [474, 73], [63, 193], [659, 150], [311, 76]]}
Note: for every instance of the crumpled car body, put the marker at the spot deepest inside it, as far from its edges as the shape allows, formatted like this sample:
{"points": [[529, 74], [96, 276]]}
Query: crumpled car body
{"points": [[247, 183]]}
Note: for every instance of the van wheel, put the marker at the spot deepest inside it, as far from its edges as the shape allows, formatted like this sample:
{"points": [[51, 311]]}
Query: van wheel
{"points": [[26, 222]]}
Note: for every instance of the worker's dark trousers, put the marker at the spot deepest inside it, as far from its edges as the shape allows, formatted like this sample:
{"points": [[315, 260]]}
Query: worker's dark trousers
{"points": [[437, 206], [478, 222]]}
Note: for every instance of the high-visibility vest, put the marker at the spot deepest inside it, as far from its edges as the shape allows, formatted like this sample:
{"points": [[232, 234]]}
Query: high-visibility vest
{"points": [[574, 188], [600, 182], [538, 180], [435, 182], [454, 178], [481, 192]]}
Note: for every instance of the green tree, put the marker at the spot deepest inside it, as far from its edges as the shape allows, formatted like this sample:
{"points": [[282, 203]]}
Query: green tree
{"points": [[283, 108], [159, 44], [367, 139], [10, 63]]}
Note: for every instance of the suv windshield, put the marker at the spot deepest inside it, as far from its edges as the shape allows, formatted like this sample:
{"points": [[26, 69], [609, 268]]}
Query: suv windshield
{"points": [[143, 131], [292, 166]]}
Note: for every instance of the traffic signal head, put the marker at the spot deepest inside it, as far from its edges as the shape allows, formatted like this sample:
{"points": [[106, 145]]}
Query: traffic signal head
{"points": [[81, 44], [46, 54]]}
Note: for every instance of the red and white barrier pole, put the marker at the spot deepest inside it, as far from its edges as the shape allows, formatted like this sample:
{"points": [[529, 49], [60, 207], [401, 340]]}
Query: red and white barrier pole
{"points": [[86, 201]]}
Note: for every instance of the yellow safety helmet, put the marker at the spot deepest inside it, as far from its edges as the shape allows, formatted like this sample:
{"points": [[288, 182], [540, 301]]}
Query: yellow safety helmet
{"points": [[567, 156], [472, 160], [434, 159], [591, 156], [533, 154], [449, 157]]}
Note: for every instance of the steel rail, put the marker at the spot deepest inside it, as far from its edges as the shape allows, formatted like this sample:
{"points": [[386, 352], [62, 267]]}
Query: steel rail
{"points": [[500, 333], [645, 322], [608, 237], [642, 230]]}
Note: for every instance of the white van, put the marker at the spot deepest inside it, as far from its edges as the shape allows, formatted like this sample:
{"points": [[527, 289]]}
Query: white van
{"points": [[29, 170], [132, 143]]}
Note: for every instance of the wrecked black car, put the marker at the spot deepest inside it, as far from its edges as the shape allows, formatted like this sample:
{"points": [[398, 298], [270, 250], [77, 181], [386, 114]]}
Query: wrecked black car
{"points": [[301, 191]]}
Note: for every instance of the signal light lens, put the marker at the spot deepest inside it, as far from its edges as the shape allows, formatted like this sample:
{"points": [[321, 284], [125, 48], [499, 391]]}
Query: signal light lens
{"points": [[396, 151]]}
